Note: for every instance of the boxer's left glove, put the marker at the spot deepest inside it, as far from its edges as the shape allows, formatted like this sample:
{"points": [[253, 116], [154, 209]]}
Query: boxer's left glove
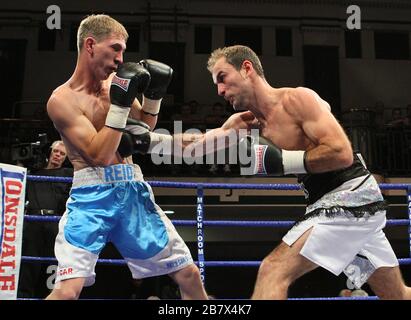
{"points": [[131, 78], [267, 159], [137, 138], [161, 75]]}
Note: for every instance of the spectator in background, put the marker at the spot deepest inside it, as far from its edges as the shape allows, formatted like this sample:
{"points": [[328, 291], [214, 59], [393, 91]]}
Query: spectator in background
{"points": [[190, 120], [185, 114], [379, 120], [189, 117], [353, 293], [194, 106], [225, 168], [407, 119], [397, 120], [345, 293], [397, 142], [44, 199], [359, 293], [216, 117]]}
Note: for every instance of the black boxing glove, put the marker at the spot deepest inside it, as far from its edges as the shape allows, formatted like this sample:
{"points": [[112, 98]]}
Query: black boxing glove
{"points": [[137, 138], [131, 78], [161, 75], [268, 159]]}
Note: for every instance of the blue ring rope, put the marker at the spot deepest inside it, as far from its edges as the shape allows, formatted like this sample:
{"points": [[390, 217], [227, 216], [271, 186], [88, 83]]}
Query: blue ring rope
{"points": [[121, 262], [227, 223], [194, 185]]}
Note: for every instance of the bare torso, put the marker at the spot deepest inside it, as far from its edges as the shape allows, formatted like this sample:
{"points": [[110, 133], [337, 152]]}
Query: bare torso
{"points": [[282, 126], [93, 107]]}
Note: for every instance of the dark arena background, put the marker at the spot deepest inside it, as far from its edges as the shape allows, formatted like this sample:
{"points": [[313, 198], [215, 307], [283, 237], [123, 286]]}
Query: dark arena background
{"points": [[355, 56]]}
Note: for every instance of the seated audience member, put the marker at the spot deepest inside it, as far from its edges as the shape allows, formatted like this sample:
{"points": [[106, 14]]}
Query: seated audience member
{"points": [[44, 199], [217, 116], [397, 120], [407, 118], [359, 293], [345, 293], [379, 120], [189, 118]]}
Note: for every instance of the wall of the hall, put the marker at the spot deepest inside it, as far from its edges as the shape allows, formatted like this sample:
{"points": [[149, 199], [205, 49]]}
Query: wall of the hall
{"points": [[363, 81]]}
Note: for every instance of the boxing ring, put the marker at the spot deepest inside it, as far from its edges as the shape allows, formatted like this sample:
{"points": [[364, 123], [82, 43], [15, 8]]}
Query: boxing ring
{"points": [[200, 223]]}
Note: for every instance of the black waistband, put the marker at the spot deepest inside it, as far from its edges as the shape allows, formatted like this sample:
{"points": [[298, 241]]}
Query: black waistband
{"points": [[369, 209], [316, 185], [43, 212]]}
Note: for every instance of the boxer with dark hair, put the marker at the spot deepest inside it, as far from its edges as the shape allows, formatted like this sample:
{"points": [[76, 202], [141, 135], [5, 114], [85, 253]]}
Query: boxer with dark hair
{"points": [[342, 227]]}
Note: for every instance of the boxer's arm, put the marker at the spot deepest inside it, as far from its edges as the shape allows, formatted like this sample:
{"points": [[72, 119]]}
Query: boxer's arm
{"points": [[161, 75], [137, 113], [234, 128], [332, 149], [97, 148], [241, 120], [191, 144]]}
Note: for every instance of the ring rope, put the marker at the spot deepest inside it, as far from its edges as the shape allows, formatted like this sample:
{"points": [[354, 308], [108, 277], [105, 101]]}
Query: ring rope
{"points": [[226, 223], [121, 262], [194, 185]]}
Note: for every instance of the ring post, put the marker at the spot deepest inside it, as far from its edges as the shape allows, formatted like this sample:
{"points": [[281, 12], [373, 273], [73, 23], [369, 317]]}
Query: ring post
{"points": [[200, 233]]}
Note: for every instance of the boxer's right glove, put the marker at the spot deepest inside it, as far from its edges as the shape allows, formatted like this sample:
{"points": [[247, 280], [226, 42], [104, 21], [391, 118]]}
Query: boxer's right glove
{"points": [[268, 159], [137, 138], [161, 75], [131, 78]]}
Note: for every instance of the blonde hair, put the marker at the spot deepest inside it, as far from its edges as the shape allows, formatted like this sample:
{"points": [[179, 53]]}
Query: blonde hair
{"points": [[235, 55], [99, 26]]}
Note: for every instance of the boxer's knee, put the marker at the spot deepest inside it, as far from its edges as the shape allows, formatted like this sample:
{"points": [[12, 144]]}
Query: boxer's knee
{"points": [[67, 290], [274, 271], [186, 275], [64, 294]]}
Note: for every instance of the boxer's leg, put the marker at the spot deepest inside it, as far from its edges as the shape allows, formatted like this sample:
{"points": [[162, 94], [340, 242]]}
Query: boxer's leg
{"points": [[69, 289], [280, 268], [189, 281], [387, 283]]}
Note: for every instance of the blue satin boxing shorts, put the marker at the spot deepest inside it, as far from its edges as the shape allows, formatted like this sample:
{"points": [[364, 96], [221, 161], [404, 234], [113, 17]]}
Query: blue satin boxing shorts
{"points": [[114, 204]]}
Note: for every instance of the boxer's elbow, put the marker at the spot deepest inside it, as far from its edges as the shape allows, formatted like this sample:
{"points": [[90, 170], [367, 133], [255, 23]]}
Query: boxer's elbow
{"points": [[345, 157], [347, 160]]}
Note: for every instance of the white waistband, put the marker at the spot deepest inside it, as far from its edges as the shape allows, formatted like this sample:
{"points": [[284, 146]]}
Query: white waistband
{"points": [[109, 174]]}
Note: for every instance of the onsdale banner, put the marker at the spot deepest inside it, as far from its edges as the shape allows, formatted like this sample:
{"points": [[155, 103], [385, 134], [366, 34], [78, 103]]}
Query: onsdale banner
{"points": [[12, 194]]}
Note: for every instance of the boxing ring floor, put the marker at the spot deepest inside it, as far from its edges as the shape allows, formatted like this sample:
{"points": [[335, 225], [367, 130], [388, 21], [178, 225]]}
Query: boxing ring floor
{"points": [[200, 224]]}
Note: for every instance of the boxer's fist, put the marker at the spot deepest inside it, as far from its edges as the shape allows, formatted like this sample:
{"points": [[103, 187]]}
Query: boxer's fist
{"points": [[135, 139], [131, 78], [161, 75], [267, 159]]}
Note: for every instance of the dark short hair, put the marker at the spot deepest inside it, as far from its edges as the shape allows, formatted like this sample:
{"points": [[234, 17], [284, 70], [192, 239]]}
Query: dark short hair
{"points": [[236, 55]]}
